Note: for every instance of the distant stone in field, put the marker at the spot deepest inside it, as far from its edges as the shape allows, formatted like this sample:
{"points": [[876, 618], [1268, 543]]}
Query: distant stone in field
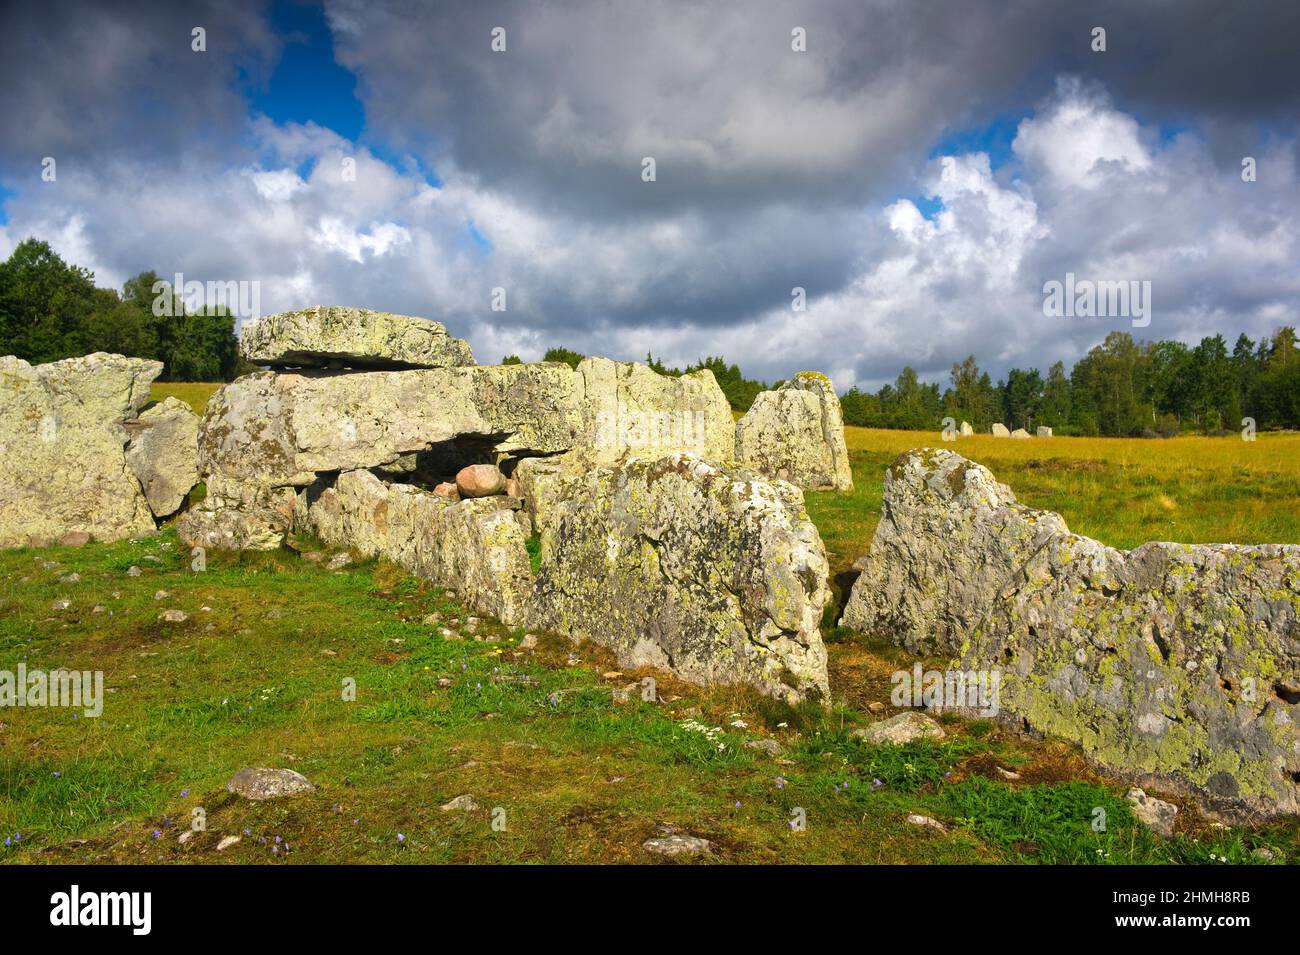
{"points": [[769, 747], [339, 561], [259, 783], [332, 336], [228, 841], [928, 822], [966, 429], [463, 803], [796, 433], [174, 616], [1044, 431], [897, 730], [1000, 430], [164, 454], [673, 842], [1176, 663], [134, 571], [1020, 434], [1156, 814]]}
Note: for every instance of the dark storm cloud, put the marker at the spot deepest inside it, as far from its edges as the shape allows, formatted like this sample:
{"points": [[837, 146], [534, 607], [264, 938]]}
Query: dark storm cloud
{"points": [[94, 82], [775, 169], [733, 116]]}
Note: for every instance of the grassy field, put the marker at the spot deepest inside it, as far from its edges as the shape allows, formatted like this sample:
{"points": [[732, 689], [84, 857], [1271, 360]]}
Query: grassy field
{"points": [[255, 676], [1122, 491], [193, 393]]}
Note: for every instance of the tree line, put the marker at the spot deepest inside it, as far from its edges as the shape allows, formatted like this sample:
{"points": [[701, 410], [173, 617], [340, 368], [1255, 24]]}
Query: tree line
{"points": [[1120, 388], [50, 310]]}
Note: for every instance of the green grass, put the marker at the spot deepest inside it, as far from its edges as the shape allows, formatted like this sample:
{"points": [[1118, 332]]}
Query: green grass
{"points": [[193, 393], [1120, 491], [258, 678]]}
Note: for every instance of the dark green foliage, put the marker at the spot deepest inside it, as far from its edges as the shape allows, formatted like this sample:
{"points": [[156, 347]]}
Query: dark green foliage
{"points": [[740, 391], [1120, 388], [50, 310], [566, 355]]}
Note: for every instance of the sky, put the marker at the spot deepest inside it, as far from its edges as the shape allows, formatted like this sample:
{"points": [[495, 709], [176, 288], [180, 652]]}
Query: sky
{"points": [[920, 169]]}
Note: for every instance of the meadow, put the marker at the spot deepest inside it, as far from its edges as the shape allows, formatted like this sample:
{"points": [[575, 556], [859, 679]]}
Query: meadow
{"points": [[255, 676]]}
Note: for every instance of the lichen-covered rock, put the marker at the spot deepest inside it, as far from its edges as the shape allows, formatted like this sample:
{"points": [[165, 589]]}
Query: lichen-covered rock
{"points": [[796, 433], [259, 783], [332, 336], [164, 454], [540, 481], [899, 730], [716, 575], [271, 431], [1156, 814], [63, 465], [627, 409], [237, 516], [282, 429], [1174, 663], [475, 546]]}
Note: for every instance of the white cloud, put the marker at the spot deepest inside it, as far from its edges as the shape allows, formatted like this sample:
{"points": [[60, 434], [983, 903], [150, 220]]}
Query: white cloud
{"points": [[1091, 192]]}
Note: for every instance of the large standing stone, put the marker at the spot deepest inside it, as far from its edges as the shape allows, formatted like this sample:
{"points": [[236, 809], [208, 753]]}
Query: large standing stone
{"points": [[999, 430], [630, 410], [716, 575], [267, 432], [1172, 662], [63, 465], [796, 433], [475, 546], [332, 336], [164, 454]]}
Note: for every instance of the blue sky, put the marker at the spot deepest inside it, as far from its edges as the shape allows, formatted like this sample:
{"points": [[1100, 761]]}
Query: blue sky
{"points": [[307, 85], [520, 170]]}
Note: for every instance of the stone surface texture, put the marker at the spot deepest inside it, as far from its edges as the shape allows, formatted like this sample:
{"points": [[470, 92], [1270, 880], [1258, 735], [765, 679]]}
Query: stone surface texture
{"points": [[1170, 662], [333, 336]]}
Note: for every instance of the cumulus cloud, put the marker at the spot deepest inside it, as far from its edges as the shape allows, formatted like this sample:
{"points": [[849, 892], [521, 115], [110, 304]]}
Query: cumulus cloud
{"points": [[775, 169]]}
